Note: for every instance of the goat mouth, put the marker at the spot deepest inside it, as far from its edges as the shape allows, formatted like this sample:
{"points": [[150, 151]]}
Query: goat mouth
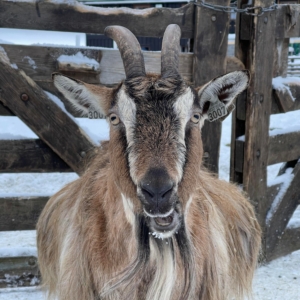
{"points": [[164, 221], [164, 225]]}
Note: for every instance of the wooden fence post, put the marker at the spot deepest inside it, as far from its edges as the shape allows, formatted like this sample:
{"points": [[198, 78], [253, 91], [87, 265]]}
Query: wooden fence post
{"points": [[255, 43], [210, 49]]}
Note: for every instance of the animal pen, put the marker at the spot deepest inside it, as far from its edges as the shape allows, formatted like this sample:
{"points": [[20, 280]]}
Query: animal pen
{"points": [[261, 46]]}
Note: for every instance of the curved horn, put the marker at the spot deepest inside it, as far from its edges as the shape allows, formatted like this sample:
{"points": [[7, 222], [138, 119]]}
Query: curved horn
{"points": [[130, 50], [170, 51]]}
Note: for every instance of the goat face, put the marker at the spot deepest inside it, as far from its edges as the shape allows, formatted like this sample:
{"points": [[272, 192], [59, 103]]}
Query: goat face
{"points": [[155, 123]]}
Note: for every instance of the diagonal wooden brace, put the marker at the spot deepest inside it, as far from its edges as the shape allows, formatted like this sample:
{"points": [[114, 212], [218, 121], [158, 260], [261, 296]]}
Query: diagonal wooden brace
{"points": [[278, 220], [54, 126]]}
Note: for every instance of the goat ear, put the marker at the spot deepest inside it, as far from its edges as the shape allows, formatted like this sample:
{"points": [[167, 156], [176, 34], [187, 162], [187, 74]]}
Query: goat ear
{"points": [[217, 96], [84, 97]]}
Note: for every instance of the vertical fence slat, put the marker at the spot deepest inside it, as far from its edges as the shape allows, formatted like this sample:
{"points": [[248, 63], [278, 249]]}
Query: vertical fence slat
{"points": [[255, 45], [210, 49]]}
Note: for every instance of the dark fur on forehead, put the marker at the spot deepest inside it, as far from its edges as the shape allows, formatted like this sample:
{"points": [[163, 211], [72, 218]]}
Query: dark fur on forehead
{"points": [[154, 87]]}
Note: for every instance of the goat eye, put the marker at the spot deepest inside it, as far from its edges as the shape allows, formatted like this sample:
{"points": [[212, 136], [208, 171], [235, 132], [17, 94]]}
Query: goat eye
{"points": [[114, 119], [195, 118]]}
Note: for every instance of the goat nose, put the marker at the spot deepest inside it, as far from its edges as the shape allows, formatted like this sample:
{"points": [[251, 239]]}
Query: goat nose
{"points": [[157, 194], [157, 186], [154, 193]]}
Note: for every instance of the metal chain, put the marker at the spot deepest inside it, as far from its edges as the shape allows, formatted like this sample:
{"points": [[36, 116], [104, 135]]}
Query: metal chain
{"points": [[234, 9]]}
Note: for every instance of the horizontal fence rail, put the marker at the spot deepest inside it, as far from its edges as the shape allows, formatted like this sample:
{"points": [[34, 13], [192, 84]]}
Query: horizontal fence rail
{"points": [[20, 213], [73, 16], [30, 155], [39, 62]]}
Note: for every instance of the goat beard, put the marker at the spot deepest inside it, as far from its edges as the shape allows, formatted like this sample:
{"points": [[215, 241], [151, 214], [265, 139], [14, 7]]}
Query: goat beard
{"points": [[128, 280]]}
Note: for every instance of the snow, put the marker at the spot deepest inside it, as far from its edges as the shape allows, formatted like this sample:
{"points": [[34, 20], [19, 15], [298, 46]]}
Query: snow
{"points": [[282, 84], [295, 220], [22, 293], [20, 243], [4, 57], [79, 59], [30, 61], [285, 181]]}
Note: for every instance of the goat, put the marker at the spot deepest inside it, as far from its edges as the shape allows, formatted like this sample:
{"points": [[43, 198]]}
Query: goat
{"points": [[146, 221]]}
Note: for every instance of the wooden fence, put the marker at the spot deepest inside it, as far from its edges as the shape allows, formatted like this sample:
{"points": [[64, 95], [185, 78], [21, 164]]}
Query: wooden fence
{"points": [[22, 94], [262, 45]]}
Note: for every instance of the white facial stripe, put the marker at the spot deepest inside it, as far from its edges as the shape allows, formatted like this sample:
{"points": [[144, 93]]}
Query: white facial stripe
{"points": [[127, 113], [183, 108]]}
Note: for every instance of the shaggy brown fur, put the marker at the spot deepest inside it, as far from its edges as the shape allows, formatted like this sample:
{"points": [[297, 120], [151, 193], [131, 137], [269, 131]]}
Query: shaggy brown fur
{"points": [[94, 241]]}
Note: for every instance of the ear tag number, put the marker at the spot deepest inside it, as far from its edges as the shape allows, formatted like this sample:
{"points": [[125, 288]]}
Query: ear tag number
{"points": [[216, 111]]}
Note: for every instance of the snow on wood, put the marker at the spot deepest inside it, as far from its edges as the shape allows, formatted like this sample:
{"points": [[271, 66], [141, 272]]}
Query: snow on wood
{"points": [[285, 181], [282, 84], [30, 61], [9, 136], [284, 130], [4, 57], [295, 220], [77, 62]]}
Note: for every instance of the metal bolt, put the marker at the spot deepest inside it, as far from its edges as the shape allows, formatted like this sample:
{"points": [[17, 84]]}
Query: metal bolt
{"points": [[31, 261], [24, 97], [261, 98], [82, 154], [266, 20], [206, 155], [213, 18], [258, 153]]}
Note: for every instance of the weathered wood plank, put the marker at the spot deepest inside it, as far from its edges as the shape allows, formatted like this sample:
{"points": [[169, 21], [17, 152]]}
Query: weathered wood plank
{"points": [[20, 213], [258, 107], [280, 215], [30, 155], [4, 111], [60, 16], [43, 62], [281, 57], [24, 267], [210, 49], [287, 21], [289, 241], [242, 36], [284, 147], [55, 127]]}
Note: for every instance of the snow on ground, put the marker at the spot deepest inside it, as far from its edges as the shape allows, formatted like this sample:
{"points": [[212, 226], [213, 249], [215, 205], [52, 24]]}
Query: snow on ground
{"points": [[279, 280]]}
